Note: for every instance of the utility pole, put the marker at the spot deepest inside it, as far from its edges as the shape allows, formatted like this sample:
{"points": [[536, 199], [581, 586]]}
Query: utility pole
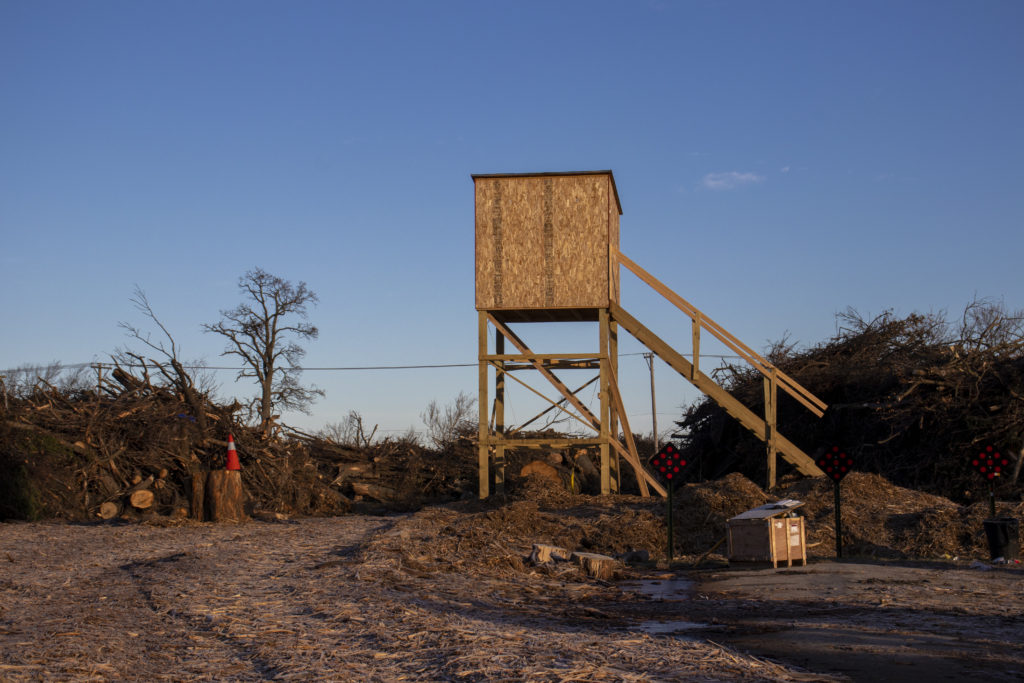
{"points": [[649, 357], [98, 367]]}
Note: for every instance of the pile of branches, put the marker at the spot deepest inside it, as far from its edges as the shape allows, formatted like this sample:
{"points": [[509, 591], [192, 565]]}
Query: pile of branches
{"points": [[132, 446], [911, 398]]}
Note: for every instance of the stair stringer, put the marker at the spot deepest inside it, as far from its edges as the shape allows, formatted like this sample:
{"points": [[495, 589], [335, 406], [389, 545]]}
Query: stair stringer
{"points": [[789, 451]]}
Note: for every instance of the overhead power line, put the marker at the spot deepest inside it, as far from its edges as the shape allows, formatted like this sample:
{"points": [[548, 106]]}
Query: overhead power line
{"points": [[344, 368]]}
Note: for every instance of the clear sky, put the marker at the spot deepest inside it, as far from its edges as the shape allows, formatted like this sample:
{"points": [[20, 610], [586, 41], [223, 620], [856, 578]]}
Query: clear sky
{"points": [[777, 163]]}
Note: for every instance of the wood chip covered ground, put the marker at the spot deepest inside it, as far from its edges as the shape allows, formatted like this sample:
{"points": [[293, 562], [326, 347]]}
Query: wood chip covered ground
{"points": [[355, 598], [448, 594]]}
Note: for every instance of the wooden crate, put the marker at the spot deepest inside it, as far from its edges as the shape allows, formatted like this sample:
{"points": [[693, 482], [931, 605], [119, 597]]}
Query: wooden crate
{"points": [[774, 539], [546, 244]]}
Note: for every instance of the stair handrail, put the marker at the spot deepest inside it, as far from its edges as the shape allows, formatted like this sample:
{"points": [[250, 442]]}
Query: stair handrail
{"points": [[700, 320]]}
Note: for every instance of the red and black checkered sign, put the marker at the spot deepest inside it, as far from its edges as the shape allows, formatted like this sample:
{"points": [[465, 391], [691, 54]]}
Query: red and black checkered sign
{"points": [[668, 464], [990, 463], [836, 463]]}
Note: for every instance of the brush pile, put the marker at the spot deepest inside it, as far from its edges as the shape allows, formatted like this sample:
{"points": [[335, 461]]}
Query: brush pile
{"points": [[911, 398], [136, 448]]}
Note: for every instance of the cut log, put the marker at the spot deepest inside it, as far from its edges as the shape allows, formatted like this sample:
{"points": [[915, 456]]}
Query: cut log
{"points": [[141, 499], [109, 510], [596, 566], [543, 470], [543, 553], [379, 493], [225, 497], [139, 483]]}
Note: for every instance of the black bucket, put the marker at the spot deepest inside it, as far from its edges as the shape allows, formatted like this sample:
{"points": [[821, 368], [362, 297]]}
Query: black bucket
{"points": [[1003, 535]]}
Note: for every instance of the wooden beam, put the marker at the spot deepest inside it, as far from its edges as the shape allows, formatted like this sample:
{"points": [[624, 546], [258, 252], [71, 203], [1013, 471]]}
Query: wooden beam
{"points": [[484, 430], [746, 417], [547, 410], [557, 365], [542, 356], [791, 386], [771, 396], [633, 458], [554, 404], [605, 431], [614, 463], [557, 383], [499, 415], [541, 442], [650, 480]]}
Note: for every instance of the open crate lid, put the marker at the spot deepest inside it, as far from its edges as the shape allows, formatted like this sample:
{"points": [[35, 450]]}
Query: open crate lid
{"points": [[770, 510]]}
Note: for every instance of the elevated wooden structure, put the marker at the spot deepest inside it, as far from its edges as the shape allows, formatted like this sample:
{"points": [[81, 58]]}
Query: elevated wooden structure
{"points": [[547, 250]]}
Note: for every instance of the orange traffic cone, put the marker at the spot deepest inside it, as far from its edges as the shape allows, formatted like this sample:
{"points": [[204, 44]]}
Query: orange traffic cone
{"points": [[233, 463]]}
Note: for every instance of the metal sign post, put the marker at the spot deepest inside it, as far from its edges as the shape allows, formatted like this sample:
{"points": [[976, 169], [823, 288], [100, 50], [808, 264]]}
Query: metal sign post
{"points": [[668, 465], [990, 464], [839, 522], [836, 465], [671, 534]]}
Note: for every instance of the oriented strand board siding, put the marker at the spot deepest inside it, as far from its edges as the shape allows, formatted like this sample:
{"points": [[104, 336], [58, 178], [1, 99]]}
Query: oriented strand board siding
{"points": [[522, 265], [543, 241], [613, 230]]}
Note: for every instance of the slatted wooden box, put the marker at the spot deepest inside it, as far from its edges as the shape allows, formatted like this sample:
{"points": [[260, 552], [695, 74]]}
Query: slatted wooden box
{"points": [[546, 244], [764, 535]]}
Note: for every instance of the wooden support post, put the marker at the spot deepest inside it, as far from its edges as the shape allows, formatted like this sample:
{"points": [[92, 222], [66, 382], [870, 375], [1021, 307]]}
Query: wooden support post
{"points": [[604, 334], [484, 431], [614, 464], [770, 414], [499, 416], [633, 457]]}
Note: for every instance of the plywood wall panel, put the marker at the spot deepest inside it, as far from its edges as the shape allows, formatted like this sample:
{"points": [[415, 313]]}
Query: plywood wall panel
{"points": [[544, 241]]}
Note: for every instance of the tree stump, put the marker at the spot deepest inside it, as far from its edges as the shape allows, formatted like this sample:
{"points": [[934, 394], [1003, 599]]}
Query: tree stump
{"points": [[225, 497], [596, 566], [198, 495], [543, 553]]}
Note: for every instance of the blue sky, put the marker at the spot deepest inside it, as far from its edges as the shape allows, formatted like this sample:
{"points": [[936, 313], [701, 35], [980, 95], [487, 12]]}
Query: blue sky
{"points": [[776, 162]]}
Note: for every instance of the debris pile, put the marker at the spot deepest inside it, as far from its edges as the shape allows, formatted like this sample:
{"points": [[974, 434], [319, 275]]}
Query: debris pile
{"points": [[880, 520], [911, 398], [135, 448]]}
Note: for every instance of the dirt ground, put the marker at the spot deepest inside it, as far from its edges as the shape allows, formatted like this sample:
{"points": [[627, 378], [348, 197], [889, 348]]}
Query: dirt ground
{"points": [[447, 594], [869, 621]]}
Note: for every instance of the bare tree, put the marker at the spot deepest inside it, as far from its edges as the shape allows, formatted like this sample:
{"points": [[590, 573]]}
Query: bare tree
{"points": [[23, 380], [349, 432], [445, 424], [177, 376], [262, 331]]}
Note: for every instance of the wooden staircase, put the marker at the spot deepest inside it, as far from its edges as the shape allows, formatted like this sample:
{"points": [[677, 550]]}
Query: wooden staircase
{"points": [[774, 379]]}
